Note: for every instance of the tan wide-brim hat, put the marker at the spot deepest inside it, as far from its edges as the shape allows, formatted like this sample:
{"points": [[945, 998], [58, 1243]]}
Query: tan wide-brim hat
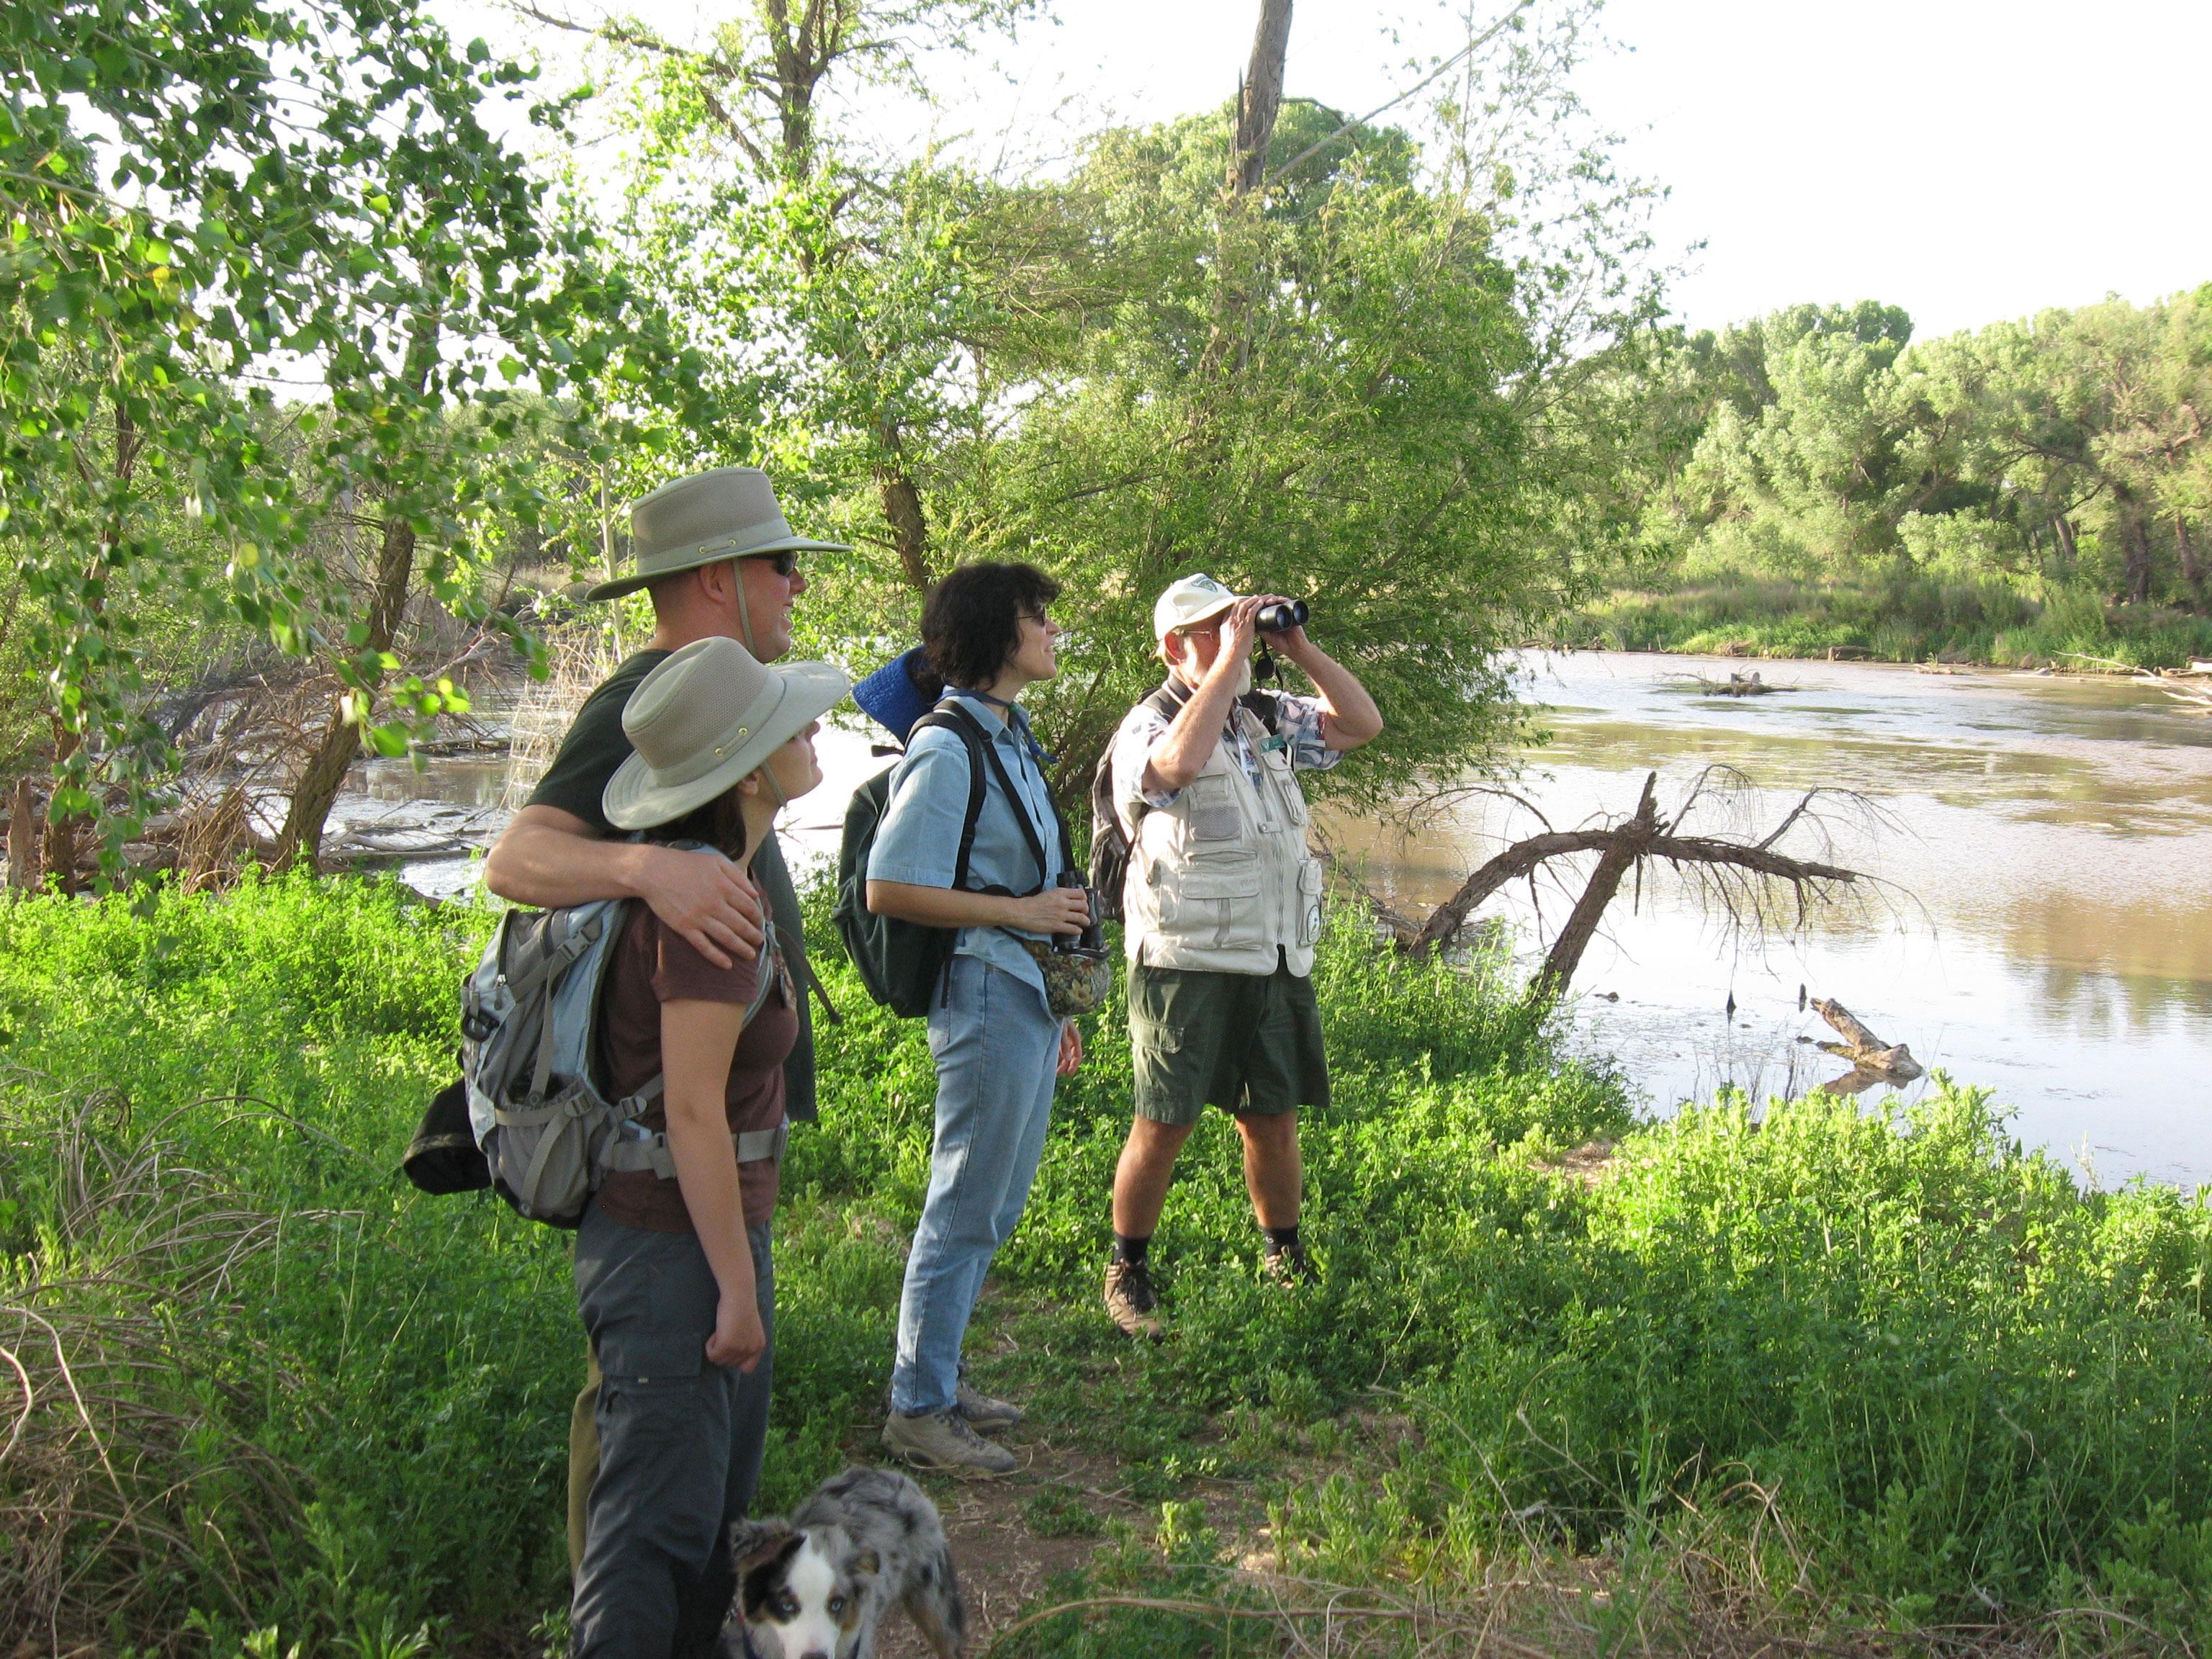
{"points": [[730, 512], [707, 717]]}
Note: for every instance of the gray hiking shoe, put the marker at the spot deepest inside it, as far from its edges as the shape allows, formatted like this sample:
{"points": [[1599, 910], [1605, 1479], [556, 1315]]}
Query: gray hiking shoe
{"points": [[945, 1440], [1130, 1300], [981, 1410]]}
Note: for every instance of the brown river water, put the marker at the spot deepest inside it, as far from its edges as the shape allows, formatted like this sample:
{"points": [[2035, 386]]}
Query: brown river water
{"points": [[2041, 924]]}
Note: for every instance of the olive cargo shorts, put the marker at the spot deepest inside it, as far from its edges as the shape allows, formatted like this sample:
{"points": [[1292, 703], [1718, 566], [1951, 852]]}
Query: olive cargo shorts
{"points": [[1245, 1043]]}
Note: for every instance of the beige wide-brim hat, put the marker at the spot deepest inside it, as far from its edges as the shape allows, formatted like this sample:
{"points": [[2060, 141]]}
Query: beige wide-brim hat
{"points": [[705, 718], [1190, 600], [729, 513]]}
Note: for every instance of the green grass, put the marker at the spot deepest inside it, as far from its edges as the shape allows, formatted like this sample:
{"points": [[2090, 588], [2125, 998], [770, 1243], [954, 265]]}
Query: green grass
{"points": [[1901, 1363], [1922, 620]]}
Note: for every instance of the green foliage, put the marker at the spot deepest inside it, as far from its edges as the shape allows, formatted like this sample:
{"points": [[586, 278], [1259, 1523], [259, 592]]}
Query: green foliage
{"points": [[1951, 1377], [1982, 619], [201, 200], [1364, 382], [2060, 458], [1956, 1380]]}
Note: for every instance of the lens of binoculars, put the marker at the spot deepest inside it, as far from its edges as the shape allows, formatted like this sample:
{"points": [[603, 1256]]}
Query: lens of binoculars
{"points": [[1282, 615]]}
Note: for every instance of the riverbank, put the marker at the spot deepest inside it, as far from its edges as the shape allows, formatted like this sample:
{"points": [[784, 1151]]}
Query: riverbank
{"points": [[1985, 623], [1829, 1375]]}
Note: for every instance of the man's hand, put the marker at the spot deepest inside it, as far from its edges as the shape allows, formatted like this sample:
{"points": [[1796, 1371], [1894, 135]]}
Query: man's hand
{"points": [[737, 1341], [711, 901], [1239, 628], [1070, 1049], [1055, 910]]}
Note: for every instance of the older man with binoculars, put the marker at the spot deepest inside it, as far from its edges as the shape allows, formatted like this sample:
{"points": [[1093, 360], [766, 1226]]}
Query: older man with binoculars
{"points": [[1222, 901]]}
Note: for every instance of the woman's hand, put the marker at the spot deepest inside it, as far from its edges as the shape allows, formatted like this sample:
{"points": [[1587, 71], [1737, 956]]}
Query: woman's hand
{"points": [[1070, 1049], [739, 1340], [1055, 910]]}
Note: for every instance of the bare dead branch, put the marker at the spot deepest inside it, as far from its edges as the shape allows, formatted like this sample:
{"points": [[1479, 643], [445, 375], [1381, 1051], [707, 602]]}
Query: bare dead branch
{"points": [[1742, 875]]}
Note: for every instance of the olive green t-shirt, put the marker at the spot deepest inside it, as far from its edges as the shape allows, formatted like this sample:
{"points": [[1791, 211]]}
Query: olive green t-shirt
{"points": [[595, 747]]}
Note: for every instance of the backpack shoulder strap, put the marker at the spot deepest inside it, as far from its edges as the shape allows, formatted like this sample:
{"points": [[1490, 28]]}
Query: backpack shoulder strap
{"points": [[951, 717], [978, 741], [1167, 701]]}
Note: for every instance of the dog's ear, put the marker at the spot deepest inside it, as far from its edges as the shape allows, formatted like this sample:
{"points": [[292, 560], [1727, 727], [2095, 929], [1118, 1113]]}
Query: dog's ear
{"points": [[866, 1565], [752, 1542]]}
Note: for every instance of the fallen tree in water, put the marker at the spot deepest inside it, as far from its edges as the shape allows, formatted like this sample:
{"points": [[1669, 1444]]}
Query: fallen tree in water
{"points": [[1742, 874], [1891, 1062]]}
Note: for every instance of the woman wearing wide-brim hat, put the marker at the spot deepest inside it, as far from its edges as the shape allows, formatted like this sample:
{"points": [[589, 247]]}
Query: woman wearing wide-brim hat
{"points": [[674, 1273]]}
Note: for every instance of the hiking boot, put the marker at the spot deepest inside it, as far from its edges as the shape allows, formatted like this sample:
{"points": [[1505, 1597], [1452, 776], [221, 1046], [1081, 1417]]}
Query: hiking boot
{"points": [[1288, 1267], [1130, 1300], [944, 1440], [981, 1410]]}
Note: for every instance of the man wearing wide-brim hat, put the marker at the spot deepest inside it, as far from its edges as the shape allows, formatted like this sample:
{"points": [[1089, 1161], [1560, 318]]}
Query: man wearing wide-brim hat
{"points": [[719, 559]]}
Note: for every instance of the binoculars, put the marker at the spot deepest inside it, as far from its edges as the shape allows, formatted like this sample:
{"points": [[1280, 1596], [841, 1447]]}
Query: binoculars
{"points": [[1282, 615], [1092, 941]]}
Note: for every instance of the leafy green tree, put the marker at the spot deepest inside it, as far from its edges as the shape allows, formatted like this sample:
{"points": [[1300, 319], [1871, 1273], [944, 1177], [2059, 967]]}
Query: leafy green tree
{"points": [[205, 200]]}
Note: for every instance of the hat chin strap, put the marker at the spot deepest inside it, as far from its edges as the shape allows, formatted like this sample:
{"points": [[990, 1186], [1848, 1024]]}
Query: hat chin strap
{"points": [[744, 612]]}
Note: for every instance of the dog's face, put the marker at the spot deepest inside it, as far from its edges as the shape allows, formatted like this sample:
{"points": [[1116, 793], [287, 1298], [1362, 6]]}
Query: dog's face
{"points": [[799, 1592]]}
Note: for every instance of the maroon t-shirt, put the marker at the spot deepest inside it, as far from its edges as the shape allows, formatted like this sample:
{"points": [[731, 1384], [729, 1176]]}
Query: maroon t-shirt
{"points": [[652, 965]]}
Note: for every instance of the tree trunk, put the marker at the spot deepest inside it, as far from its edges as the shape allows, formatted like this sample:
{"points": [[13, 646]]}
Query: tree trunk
{"points": [[59, 854], [60, 857], [2070, 552], [2138, 568], [23, 837], [2192, 568], [301, 838], [1582, 927], [1262, 97], [902, 505]]}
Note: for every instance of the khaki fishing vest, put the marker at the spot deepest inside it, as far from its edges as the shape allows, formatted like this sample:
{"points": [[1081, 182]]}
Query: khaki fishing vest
{"points": [[1221, 880]]}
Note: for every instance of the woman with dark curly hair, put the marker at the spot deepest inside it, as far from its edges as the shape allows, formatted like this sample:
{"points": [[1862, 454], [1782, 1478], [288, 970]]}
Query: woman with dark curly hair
{"points": [[998, 1045]]}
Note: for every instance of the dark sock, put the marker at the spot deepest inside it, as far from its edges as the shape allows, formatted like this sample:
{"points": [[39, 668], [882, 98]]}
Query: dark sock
{"points": [[1280, 1239], [1131, 1250]]}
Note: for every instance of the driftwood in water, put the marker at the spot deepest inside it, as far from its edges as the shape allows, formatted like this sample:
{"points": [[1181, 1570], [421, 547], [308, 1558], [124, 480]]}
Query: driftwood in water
{"points": [[1735, 685], [1621, 848], [1883, 1062]]}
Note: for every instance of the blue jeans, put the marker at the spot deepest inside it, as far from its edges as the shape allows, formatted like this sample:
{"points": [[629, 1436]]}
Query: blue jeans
{"points": [[997, 1049]]}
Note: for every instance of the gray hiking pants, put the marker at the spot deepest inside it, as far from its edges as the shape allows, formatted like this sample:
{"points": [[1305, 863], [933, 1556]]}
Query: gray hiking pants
{"points": [[680, 1442]]}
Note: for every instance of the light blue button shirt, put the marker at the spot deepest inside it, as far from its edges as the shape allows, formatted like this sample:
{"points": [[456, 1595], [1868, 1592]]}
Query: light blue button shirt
{"points": [[918, 838]]}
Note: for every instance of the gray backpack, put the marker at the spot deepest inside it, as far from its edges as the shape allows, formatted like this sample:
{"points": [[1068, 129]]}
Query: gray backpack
{"points": [[530, 1017]]}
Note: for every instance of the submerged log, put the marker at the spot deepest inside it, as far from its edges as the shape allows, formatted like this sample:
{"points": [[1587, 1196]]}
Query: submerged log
{"points": [[1888, 1062], [1735, 685]]}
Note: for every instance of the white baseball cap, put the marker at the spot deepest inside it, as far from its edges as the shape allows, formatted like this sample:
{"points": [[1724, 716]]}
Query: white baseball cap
{"points": [[1192, 599]]}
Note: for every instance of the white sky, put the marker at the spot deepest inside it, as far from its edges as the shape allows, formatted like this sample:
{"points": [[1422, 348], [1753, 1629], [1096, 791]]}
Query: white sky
{"points": [[1968, 159]]}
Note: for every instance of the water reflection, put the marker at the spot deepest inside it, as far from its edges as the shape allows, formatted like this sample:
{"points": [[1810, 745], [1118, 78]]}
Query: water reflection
{"points": [[2045, 925]]}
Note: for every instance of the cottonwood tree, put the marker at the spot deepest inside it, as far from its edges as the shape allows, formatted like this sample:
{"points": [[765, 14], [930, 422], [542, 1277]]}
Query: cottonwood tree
{"points": [[1314, 353], [203, 198], [846, 294], [2065, 453]]}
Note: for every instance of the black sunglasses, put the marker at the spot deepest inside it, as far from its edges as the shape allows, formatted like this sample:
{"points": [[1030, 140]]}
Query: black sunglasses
{"points": [[784, 559]]}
